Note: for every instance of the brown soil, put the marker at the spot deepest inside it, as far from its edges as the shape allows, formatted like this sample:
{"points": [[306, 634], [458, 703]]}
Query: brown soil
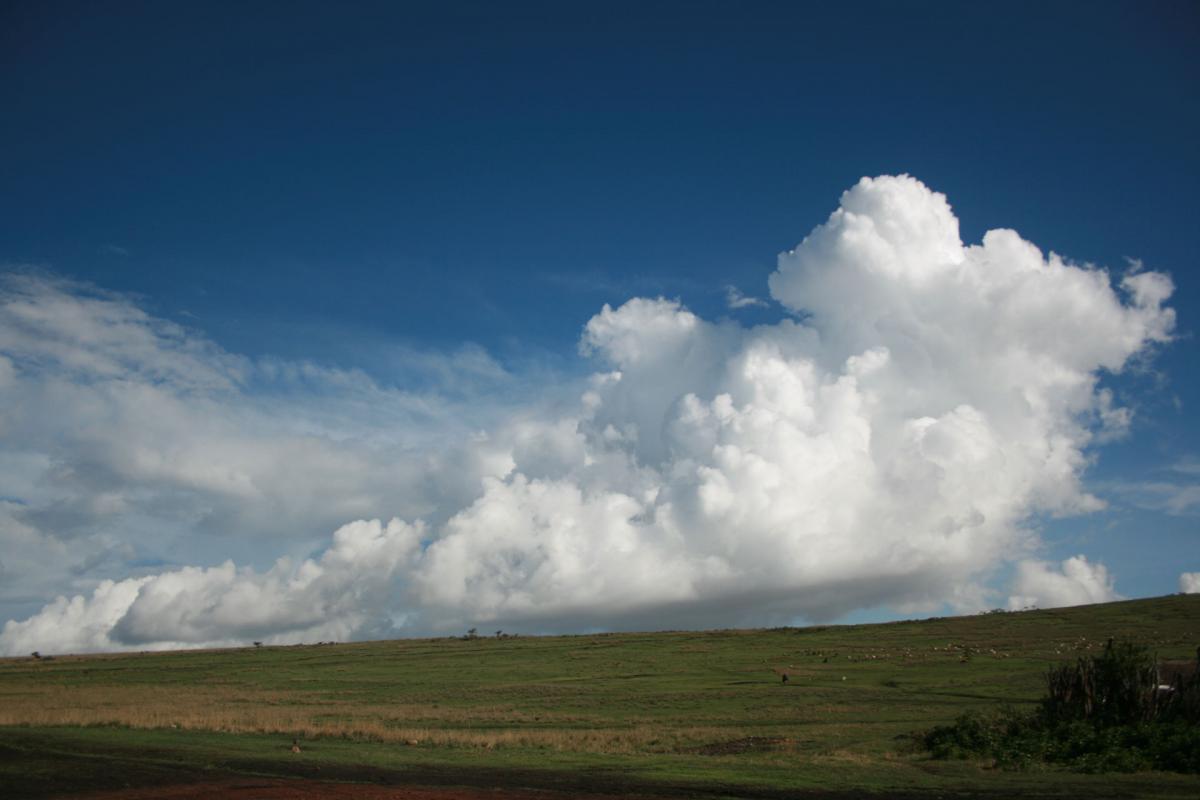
{"points": [[750, 744], [36, 768], [290, 789]]}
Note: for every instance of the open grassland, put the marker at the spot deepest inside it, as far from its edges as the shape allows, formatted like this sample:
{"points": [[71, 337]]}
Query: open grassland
{"points": [[662, 712]]}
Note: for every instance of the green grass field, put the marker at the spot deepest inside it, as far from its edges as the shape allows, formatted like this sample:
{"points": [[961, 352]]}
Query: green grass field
{"points": [[660, 713]]}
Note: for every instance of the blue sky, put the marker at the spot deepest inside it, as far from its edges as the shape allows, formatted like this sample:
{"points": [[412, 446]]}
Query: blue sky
{"points": [[388, 224]]}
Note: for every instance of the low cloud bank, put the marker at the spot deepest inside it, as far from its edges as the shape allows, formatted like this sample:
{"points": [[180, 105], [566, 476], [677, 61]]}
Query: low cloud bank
{"points": [[887, 445], [332, 597], [1075, 582]]}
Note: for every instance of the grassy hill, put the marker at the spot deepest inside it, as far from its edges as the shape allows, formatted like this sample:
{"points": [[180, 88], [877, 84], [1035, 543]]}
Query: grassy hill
{"points": [[662, 713]]}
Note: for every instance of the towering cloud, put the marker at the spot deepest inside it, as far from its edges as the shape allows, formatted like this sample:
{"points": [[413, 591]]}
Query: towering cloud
{"points": [[886, 445]]}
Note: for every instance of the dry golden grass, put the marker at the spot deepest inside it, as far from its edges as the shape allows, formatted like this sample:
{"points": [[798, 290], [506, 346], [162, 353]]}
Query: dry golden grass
{"points": [[242, 711]]}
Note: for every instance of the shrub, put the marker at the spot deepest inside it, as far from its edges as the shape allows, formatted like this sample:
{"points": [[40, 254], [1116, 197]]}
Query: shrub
{"points": [[1103, 713]]}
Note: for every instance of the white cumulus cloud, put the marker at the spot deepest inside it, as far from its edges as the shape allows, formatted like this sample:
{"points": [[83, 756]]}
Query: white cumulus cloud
{"points": [[343, 592], [887, 445], [1075, 582], [1189, 582]]}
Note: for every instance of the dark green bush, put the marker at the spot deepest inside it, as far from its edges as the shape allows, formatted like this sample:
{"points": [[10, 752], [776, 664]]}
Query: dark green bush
{"points": [[1102, 714]]}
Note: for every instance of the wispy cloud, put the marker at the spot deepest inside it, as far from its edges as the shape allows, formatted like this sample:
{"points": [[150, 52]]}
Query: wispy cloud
{"points": [[127, 437], [1178, 499], [1188, 466], [1175, 490], [603, 283], [735, 299]]}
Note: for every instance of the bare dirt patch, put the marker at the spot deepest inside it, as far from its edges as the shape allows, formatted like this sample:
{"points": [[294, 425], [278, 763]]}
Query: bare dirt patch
{"points": [[747, 744], [290, 789]]}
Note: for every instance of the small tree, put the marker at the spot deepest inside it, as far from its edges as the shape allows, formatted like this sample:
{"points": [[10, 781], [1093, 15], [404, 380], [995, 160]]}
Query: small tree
{"points": [[1118, 687], [1121, 710]]}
